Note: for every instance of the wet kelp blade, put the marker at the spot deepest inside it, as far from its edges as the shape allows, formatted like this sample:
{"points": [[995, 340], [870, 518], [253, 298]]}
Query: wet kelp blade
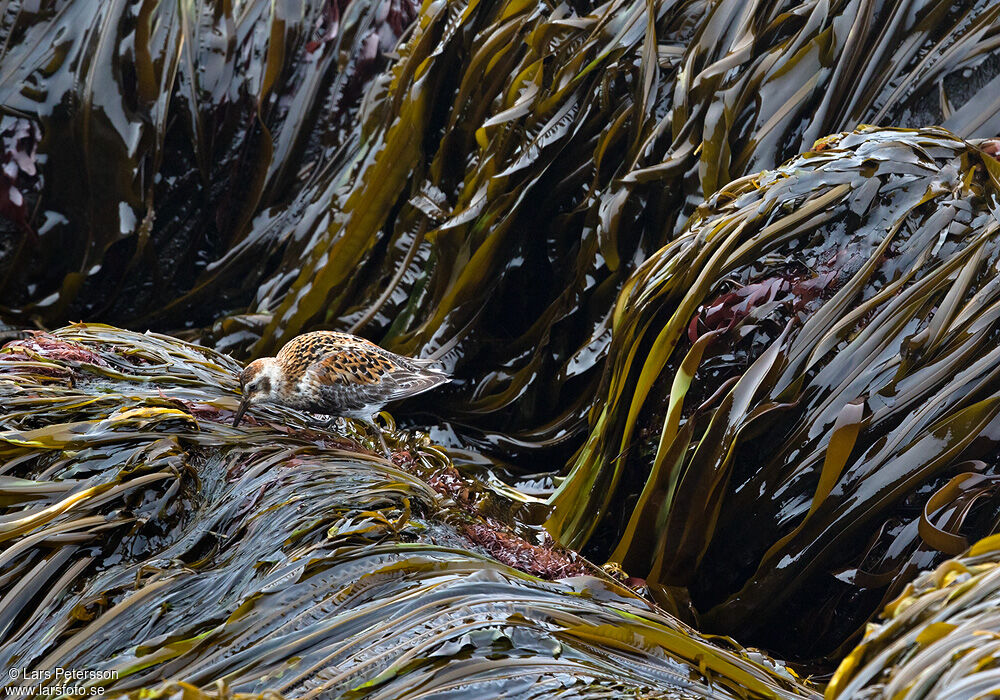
{"points": [[141, 534], [938, 639], [816, 359]]}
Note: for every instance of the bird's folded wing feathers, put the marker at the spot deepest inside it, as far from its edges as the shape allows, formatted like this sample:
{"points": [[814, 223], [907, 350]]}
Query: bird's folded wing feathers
{"points": [[353, 366]]}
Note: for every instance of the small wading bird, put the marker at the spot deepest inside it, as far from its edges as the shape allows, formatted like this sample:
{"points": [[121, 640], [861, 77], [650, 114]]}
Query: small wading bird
{"points": [[335, 374]]}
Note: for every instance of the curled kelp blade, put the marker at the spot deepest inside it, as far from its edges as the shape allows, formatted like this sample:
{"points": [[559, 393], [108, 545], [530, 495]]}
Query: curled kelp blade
{"points": [[814, 360], [939, 639], [142, 536]]}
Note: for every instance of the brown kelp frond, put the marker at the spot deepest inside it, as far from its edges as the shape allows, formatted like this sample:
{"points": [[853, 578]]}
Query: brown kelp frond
{"points": [[146, 540], [939, 638], [802, 389]]}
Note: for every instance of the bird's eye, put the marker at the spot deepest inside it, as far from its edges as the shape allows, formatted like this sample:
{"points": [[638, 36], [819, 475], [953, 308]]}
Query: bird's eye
{"points": [[262, 384]]}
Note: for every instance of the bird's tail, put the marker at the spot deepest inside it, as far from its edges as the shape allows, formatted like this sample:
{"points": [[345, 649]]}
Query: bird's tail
{"points": [[419, 382], [426, 365]]}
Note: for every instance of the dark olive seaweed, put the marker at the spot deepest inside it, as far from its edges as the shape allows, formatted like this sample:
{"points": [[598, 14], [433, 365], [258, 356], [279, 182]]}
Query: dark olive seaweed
{"points": [[803, 392], [141, 533], [248, 165], [499, 187]]}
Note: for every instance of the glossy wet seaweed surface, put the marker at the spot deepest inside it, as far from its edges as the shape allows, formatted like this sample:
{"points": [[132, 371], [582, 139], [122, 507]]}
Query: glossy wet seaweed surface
{"points": [[704, 327], [939, 637], [247, 171], [144, 535], [802, 392]]}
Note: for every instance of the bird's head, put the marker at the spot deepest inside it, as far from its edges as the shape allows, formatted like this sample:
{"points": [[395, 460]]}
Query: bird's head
{"points": [[260, 382]]}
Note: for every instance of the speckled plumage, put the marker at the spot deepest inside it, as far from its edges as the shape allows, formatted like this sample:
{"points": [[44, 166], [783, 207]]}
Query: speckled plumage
{"points": [[335, 374]]}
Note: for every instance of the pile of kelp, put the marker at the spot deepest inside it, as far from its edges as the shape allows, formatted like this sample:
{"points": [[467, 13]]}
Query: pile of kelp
{"points": [[172, 165], [775, 387], [802, 403], [941, 638], [144, 539]]}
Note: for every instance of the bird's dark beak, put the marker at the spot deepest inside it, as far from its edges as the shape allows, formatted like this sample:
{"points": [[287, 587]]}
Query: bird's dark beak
{"points": [[244, 405]]}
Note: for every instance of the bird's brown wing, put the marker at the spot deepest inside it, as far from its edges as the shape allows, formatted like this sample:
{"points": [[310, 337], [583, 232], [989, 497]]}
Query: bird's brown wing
{"points": [[351, 370], [371, 377], [311, 349], [355, 365]]}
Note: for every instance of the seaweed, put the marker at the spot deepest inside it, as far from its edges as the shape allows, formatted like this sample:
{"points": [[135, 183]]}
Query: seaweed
{"points": [[161, 133], [773, 386], [525, 158], [937, 639], [248, 171], [176, 556], [800, 402]]}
